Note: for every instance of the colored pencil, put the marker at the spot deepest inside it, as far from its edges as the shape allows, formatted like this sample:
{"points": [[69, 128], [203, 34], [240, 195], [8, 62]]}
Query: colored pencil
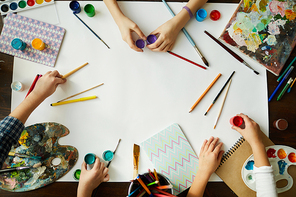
{"points": [[81, 92], [144, 186], [183, 58], [134, 191], [222, 103], [289, 90], [283, 74], [187, 36], [285, 89], [91, 30], [153, 183], [281, 82], [156, 177], [74, 100], [231, 52], [164, 187], [204, 93], [73, 71], [219, 93], [33, 85], [163, 192]]}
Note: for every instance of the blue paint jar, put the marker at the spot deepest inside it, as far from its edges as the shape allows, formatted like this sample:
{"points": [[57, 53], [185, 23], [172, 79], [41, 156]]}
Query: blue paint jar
{"points": [[108, 155], [18, 44], [90, 158], [75, 7], [201, 14]]}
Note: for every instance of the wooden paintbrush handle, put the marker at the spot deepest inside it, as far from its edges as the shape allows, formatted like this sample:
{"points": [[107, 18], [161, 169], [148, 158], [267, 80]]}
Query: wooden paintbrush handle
{"points": [[135, 172]]}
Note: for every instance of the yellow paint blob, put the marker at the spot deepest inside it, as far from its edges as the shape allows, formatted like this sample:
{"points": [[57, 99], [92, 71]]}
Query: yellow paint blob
{"points": [[38, 44], [39, 1]]}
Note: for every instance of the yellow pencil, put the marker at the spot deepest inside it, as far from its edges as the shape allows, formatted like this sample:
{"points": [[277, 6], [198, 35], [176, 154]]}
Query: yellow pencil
{"points": [[74, 100], [73, 71]]}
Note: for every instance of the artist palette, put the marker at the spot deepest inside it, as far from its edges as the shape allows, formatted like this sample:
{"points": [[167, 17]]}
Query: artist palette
{"points": [[280, 158], [40, 142], [21, 5]]}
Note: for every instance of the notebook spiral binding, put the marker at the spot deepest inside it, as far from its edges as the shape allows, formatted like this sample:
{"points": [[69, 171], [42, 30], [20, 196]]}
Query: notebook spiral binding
{"points": [[226, 156]]}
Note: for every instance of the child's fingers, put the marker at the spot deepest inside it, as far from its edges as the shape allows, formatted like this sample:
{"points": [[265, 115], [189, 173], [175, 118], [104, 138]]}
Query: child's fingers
{"points": [[140, 33], [107, 177], [105, 172], [213, 144], [218, 148], [238, 129], [203, 146], [97, 163], [60, 80], [132, 45], [208, 143], [220, 156], [83, 166], [102, 166]]}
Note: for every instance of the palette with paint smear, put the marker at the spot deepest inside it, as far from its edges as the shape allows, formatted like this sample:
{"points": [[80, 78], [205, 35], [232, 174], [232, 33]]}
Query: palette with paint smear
{"points": [[21, 5], [280, 158]]}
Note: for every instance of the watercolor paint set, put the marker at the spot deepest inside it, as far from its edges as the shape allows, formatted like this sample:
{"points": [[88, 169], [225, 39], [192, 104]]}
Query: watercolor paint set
{"points": [[21, 5], [280, 158]]}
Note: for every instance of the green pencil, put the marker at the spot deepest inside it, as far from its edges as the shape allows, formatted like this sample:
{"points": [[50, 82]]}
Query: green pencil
{"points": [[285, 89]]}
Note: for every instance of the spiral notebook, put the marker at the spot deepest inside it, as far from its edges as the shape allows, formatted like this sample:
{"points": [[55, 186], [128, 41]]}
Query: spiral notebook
{"points": [[172, 156], [231, 165]]}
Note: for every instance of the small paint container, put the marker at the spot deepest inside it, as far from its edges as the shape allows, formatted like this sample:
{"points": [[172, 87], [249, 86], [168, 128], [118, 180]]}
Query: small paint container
{"points": [[31, 3], [18, 44], [151, 39], [89, 9], [76, 174], [22, 4], [13, 6], [17, 86], [280, 124], [90, 158], [108, 155], [236, 121], [75, 7], [215, 15], [201, 14], [140, 43], [38, 44]]}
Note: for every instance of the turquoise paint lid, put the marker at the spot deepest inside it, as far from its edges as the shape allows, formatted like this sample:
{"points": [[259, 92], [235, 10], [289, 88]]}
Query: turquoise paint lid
{"points": [[90, 158], [108, 155]]}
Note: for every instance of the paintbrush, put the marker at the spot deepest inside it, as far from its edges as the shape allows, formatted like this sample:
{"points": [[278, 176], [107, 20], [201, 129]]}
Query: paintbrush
{"points": [[23, 155], [20, 168], [114, 152], [136, 159]]}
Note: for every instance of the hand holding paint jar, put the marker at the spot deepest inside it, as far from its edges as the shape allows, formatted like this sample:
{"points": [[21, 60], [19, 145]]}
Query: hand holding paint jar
{"points": [[140, 43]]}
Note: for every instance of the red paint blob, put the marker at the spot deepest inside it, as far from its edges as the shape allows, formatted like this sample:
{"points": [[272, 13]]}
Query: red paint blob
{"points": [[282, 154], [292, 157], [215, 15], [271, 153], [30, 2]]}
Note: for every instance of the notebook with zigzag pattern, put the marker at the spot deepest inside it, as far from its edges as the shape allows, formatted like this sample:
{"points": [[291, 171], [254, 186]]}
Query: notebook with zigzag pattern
{"points": [[172, 156]]}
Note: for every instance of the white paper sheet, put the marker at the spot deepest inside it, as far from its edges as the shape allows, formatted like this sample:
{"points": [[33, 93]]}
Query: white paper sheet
{"points": [[143, 92]]}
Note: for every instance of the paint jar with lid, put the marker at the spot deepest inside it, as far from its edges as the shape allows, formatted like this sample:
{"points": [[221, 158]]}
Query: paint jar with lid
{"points": [[17, 86], [236, 121], [90, 158], [140, 43], [76, 174], [108, 155], [151, 39], [280, 124], [18, 44], [38, 44]]}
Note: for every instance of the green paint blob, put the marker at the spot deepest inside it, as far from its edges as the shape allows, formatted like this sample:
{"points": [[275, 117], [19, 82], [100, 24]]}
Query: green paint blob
{"points": [[260, 26], [77, 174], [22, 4]]}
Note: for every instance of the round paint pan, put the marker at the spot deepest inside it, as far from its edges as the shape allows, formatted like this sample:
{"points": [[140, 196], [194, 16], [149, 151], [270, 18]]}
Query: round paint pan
{"points": [[30, 3], [13, 6], [39, 2], [4, 8], [22, 4], [280, 158], [108, 155], [90, 158]]}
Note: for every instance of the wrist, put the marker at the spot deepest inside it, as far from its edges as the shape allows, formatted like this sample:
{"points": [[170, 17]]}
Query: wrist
{"points": [[203, 174]]}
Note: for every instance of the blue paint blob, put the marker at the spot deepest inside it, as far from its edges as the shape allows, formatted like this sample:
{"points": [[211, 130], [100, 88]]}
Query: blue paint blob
{"points": [[90, 158], [282, 165], [250, 165], [108, 155], [266, 48], [13, 6]]}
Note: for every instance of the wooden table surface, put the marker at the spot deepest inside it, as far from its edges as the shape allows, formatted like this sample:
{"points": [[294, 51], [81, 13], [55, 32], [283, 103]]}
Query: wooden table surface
{"points": [[285, 108]]}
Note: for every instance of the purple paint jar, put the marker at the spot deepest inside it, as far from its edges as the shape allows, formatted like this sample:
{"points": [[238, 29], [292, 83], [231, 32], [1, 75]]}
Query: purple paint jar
{"points": [[140, 43], [151, 39]]}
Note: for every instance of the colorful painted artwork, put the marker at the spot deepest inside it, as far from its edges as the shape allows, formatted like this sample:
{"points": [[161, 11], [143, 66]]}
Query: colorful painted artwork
{"points": [[172, 156], [265, 30], [40, 141], [27, 29], [277, 156]]}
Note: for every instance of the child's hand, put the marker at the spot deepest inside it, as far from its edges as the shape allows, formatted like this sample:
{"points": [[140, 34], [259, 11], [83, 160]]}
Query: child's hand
{"points": [[210, 156], [168, 33], [47, 84], [126, 27], [250, 132], [90, 179]]}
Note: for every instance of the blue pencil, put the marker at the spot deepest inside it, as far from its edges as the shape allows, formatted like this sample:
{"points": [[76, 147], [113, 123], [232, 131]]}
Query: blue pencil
{"points": [[187, 36], [91, 30], [286, 69], [282, 81]]}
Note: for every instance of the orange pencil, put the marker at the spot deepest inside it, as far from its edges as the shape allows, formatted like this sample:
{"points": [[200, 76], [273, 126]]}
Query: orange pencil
{"points": [[203, 94], [143, 185], [156, 177]]}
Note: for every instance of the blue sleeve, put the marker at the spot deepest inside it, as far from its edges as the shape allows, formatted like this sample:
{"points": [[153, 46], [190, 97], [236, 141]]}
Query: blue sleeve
{"points": [[10, 131]]}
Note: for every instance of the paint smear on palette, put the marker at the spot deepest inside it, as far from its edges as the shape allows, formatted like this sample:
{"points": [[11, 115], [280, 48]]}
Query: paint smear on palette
{"points": [[292, 157], [282, 165], [264, 30], [39, 140], [250, 165], [282, 154], [271, 153]]}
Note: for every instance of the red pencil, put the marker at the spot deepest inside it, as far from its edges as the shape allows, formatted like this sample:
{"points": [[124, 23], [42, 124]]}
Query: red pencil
{"points": [[183, 58], [33, 84]]}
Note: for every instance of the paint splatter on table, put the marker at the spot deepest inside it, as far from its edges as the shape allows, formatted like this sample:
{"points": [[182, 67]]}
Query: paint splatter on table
{"points": [[265, 30], [39, 140]]}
